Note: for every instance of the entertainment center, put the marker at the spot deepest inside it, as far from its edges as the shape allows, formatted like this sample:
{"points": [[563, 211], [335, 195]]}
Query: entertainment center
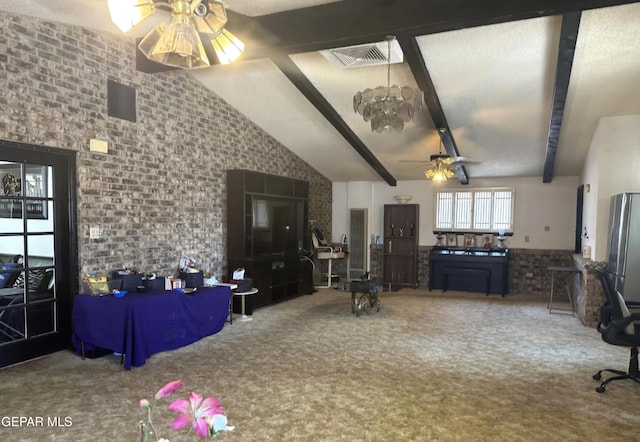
{"points": [[267, 234]]}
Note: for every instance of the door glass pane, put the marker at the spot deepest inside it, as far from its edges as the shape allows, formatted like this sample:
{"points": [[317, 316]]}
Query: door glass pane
{"points": [[41, 318], [36, 181], [11, 320], [43, 222], [11, 253], [40, 249], [11, 178], [40, 285], [11, 214]]}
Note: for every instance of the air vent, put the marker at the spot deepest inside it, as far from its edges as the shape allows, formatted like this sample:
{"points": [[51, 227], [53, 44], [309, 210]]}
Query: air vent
{"points": [[373, 54], [358, 247]]}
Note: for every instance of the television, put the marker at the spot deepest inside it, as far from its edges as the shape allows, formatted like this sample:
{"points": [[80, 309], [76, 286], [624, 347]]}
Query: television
{"points": [[277, 225]]}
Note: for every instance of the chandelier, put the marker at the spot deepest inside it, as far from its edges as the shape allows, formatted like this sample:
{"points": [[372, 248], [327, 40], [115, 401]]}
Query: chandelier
{"points": [[388, 107], [180, 43]]}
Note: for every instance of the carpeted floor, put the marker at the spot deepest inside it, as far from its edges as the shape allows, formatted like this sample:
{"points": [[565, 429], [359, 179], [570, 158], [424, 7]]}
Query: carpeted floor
{"points": [[428, 366]]}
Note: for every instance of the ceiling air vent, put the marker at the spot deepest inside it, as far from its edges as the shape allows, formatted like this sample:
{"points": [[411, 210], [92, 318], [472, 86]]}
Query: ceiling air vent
{"points": [[372, 54]]}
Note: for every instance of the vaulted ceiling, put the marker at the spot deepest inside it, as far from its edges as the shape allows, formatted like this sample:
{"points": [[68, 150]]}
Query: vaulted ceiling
{"points": [[519, 86]]}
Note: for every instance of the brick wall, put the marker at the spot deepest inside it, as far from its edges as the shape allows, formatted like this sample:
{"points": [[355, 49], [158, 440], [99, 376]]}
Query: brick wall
{"points": [[160, 191]]}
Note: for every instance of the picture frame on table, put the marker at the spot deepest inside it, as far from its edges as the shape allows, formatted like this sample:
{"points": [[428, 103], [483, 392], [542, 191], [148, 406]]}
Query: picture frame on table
{"points": [[452, 239], [469, 240], [487, 241]]}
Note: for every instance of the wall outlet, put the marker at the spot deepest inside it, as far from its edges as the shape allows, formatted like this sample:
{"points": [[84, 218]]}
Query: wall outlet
{"points": [[95, 233], [526, 238], [529, 275]]}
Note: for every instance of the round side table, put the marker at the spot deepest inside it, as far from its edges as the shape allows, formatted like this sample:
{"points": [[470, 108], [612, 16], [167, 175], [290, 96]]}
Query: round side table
{"points": [[244, 316]]}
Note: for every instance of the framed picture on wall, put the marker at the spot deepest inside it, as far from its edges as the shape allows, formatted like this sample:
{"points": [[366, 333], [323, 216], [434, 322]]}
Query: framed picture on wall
{"points": [[469, 240], [452, 239]]}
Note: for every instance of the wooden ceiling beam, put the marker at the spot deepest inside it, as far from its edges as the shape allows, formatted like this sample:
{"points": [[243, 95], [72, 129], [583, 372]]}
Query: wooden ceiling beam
{"points": [[413, 56], [302, 83], [566, 51]]}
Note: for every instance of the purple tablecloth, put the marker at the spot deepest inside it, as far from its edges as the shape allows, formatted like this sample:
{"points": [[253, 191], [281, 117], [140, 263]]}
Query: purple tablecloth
{"points": [[141, 324]]}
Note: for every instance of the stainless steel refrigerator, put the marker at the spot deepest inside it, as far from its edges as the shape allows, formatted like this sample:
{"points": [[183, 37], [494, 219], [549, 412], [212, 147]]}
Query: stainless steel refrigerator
{"points": [[623, 248]]}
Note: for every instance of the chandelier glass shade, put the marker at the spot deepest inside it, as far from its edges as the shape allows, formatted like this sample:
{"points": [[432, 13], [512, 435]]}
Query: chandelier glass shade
{"points": [[388, 107], [126, 14], [181, 42]]}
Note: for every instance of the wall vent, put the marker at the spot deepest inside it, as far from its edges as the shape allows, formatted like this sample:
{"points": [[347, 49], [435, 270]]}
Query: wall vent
{"points": [[358, 246], [372, 54]]}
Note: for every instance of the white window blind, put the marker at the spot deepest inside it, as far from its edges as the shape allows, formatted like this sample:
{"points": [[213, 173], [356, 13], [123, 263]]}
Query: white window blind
{"points": [[476, 210]]}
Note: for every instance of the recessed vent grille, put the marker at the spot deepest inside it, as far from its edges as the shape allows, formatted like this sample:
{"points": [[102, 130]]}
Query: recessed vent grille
{"points": [[361, 55], [372, 54], [358, 243]]}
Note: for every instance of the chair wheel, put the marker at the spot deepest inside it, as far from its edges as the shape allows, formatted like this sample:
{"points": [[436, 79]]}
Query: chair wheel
{"points": [[600, 389], [597, 376]]}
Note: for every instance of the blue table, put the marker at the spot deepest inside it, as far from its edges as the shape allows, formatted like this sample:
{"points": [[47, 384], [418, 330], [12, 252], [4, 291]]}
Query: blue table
{"points": [[141, 324]]}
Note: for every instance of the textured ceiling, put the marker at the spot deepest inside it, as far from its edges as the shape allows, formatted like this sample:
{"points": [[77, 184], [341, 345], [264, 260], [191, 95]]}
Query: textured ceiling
{"points": [[494, 82]]}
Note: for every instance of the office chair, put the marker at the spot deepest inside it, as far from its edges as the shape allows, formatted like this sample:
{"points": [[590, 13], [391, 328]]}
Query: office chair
{"points": [[326, 251], [618, 327]]}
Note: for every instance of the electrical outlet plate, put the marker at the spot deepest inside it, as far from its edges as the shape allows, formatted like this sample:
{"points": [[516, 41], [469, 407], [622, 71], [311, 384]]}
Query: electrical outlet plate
{"points": [[95, 233]]}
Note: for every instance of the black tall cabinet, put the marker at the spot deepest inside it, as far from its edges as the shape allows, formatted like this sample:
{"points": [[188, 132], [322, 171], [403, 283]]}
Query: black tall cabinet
{"points": [[400, 266], [267, 219]]}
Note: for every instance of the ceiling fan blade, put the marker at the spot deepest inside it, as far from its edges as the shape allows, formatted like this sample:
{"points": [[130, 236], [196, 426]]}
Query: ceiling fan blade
{"points": [[458, 160]]}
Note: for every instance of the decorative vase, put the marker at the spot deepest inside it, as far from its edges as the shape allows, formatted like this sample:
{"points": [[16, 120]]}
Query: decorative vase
{"points": [[402, 199]]}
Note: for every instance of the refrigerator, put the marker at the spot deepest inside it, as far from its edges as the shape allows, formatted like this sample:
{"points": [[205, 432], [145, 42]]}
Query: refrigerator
{"points": [[623, 247]]}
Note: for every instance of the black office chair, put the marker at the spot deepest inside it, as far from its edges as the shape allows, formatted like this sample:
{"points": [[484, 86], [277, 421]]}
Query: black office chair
{"points": [[618, 327]]}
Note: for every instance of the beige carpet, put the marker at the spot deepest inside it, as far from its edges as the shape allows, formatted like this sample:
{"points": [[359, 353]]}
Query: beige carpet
{"points": [[428, 366]]}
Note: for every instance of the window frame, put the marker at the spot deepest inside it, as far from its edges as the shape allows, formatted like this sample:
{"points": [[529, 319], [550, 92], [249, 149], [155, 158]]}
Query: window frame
{"points": [[471, 215]]}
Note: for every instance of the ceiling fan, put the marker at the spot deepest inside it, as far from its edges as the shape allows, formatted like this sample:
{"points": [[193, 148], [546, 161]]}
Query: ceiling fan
{"points": [[441, 164]]}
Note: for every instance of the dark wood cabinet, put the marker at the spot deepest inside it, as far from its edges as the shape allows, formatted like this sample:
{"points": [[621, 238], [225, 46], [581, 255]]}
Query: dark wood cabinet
{"points": [[267, 219], [400, 265], [469, 269]]}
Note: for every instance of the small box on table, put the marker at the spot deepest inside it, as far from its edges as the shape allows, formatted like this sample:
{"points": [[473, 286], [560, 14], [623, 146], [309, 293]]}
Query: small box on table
{"points": [[129, 282], [244, 284], [155, 284], [192, 279]]}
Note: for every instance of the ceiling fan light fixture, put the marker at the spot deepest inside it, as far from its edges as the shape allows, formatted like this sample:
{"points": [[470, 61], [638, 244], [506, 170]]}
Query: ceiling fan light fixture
{"points": [[388, 107], [441, 170], [179, 43], [440, 173]]}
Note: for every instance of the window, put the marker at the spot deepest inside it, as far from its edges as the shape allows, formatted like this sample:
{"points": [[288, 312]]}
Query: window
{"points": [[477, 210]]}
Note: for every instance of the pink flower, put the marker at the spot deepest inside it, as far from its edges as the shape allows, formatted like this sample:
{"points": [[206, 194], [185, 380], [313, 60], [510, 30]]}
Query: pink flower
{"points": [[168, 389], [195, 412], [143, 403]]}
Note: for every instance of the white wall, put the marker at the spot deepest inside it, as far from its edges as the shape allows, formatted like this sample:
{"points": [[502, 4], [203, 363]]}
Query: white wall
{"points": [[612, 166], [538, 205]]}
